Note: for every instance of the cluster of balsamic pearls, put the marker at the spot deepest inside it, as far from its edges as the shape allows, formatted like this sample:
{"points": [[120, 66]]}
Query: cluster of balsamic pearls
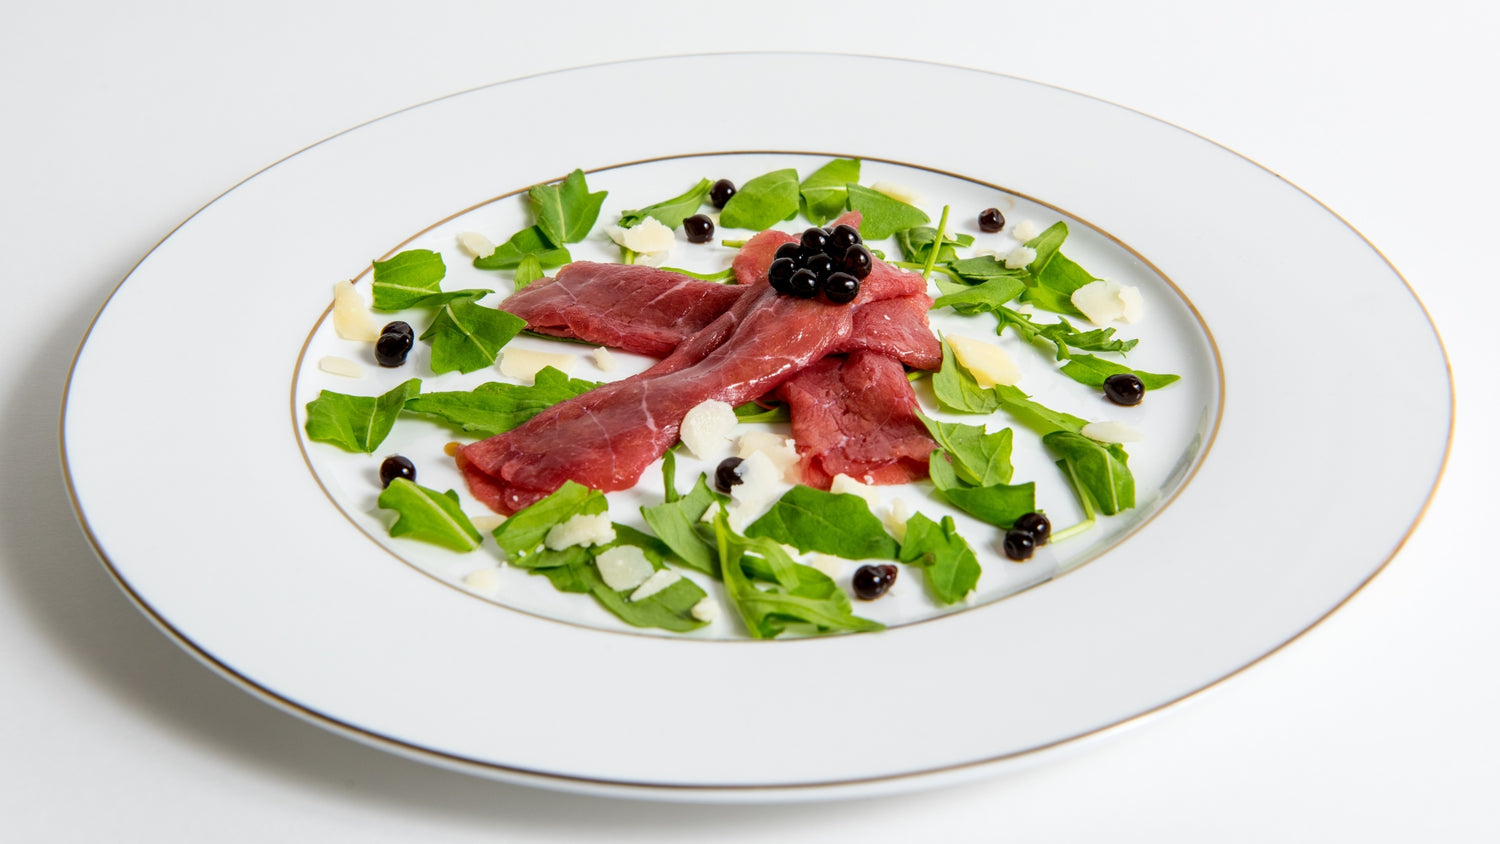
{"points": [[828, 261]]}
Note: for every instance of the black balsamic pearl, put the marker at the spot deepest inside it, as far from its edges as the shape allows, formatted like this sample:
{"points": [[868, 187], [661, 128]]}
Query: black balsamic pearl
{"points": [[394, 467], [790, 250], [1124, 388], [720, 192], [727, 475], [1037, 525], [842, 237], [841, 288], [1019, 544], [991, 220], [820, 264], [814, 239], [857, 261], [803, 284], [391, 348], [780, 274], [698, 228], [872, 581], [397, 327]]}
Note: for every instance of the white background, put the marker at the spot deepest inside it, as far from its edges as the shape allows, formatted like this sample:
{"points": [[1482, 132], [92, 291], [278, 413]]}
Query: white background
{"points": [[119, 120]]}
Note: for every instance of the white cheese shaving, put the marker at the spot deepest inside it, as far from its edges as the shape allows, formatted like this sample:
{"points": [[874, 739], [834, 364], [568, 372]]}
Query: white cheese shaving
{"points": [[526, 363], [623, 567], [483, 580], [707, 427], [1023, 231], [1110, 432], [827, 564], [487, 523], [649, 237], [655, 583], [781, 450], [761, 484], [604, 360], [476, 244], [987, 362], [895, 519], [582, 529], [1130, 297], [352, 319], [897, 192], [1019, 257], [706, 610], [843, 484], [334, 365], [1105, 301]]}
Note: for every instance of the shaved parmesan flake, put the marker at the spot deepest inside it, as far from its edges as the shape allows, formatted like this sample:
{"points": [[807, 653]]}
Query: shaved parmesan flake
{"points": [[352, 319], [623, 567], [706, 610], [1104, 302], [487, 523], [604, 360], [1023, 231], [526, 363], [988, 363], [582, 529], [648, 238], [341, 366], [827, 564], [483, 580], [781, 450], [895, 520], [1019, 257], [1110, 432], [655, 583], [707, 427], [1130, 297], [476, 244], [897, 192], [761, 484], [843, 484]]}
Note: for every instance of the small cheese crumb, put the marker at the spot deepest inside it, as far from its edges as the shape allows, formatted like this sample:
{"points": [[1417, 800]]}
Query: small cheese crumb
{"points": [[1023, 231], [623, 567], [895, 519], [526, 363], [988, 363], [707, 427], [760, 486], [649, 237], [341, 366], [1110, 432], [1019, 257], [582, 529], [897, 192], [1104, 302], [352, 319], [487, 523], [603, 360], [706, 611], [476, 244], [655, 583], [827, 564], [842, 484], [781, 450], [483, 580]]}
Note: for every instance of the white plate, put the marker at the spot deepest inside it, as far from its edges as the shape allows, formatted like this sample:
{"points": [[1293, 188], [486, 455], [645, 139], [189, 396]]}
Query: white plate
{"points": [[1322, 389]]}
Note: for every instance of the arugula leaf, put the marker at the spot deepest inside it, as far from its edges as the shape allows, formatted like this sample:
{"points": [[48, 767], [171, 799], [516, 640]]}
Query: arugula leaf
{"points": [[524, 533], [676, 520], [670, 212], [982, 268], [800, 595], [1056, 275], [752, 412], [566, 212], [979, 458], [1063, 333], [406, 278], [467, 336], [948, 563], [428, 515], [495, 408], [763, 201], [997, 504], [986, 296], [916, 244], [956, 389], [1090, 370], [528, 241], [357, 423], [669, 609], [813, 520], [529, 270], [881, 215], [824, 193], [1100, 469], [1043, 420]]}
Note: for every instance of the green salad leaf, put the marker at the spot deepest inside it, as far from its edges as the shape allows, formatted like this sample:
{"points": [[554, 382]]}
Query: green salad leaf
{"points": [[956, 389], [838, 524], [357, 423], [916, 245], [881, 215], [1056, 275], [566, 212], [763, 201], [526, 242], [752, 412], [988, 295], [406, 278], [1061, 335], [670, 212], [676, 521], [496, 407], [979, 458], [528, 270], [429, 515], [948, 564], [1099, 468], [824, 193], [998, 504], [1090, 370], [1043, 420], [467, 336], [523, 533]]}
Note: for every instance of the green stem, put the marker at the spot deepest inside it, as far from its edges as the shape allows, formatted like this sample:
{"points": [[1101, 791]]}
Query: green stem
{"points": [[937, 244], [722, 275], [733, 244], [908, 265], [627, 256], [1085, 499]]}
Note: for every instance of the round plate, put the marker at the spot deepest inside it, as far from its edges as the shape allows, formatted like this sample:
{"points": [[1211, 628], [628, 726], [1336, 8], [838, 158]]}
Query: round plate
{"points": [[205, 510]]}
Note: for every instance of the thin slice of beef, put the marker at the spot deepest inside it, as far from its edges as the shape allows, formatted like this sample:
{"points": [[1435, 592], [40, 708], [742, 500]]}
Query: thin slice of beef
{"points": [[857, 416]]}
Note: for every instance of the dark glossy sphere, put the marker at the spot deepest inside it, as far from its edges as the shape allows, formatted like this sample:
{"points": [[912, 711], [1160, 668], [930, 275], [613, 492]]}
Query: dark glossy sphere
{"points": [[991, 220], [698, 228], [720, 192], [872, 581], [1037, 525], [789, 250], [391, 349], [842, 237], [814, 239], [857, 261], [727, 475], [397, 327], [780, 273], [803, 284], [394, 467], [1019, 544], [1124, 388], [819, 263], [841, 288]]}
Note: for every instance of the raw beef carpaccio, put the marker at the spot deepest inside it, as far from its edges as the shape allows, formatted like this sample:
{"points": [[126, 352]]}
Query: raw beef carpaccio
{"points": [[607, 437]]}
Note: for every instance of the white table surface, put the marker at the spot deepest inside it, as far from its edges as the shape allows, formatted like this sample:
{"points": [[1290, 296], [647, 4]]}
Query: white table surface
{"points": [[119, 120]]}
